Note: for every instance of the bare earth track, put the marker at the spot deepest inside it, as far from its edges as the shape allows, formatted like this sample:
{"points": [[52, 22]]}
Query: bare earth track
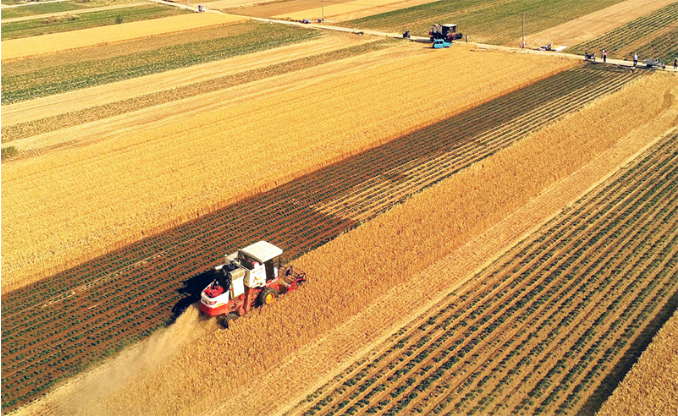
{"points": [[150, 277], [551, 327]]}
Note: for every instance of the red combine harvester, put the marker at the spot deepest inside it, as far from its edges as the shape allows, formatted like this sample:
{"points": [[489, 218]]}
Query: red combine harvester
{"points": [[250, 277], [447, 33]]}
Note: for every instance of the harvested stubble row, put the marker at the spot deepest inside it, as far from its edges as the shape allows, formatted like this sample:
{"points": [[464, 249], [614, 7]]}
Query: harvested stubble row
{"points": [[185, 149], [292, 223], [57, 42], [651, 387], [551, 326]]}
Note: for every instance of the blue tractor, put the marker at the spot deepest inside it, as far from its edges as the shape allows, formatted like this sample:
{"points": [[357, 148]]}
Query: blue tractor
{"points": [[441, 43]]}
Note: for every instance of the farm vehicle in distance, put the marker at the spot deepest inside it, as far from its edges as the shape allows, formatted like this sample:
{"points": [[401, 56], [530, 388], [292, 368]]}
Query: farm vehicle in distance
{"points": [[253, 276], [655, 63], [447, 33], [440, 43]]}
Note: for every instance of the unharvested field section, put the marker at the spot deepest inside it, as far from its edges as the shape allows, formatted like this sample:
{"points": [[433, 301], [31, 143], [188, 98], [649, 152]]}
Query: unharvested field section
{"points": [[551, 327], [95, 307], [333, 12], [274, 8]]}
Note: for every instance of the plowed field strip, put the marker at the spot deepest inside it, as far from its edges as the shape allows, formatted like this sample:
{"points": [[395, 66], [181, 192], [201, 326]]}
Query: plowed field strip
{"points": [[537, 331], [94, 308]]}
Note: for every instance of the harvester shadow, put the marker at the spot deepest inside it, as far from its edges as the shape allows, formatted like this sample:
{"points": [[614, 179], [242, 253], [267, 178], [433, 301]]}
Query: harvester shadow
{"points": [[191, 289]]}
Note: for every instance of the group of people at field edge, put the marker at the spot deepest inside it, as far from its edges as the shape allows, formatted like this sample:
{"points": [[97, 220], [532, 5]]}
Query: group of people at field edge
{"points": [[635, 59]]}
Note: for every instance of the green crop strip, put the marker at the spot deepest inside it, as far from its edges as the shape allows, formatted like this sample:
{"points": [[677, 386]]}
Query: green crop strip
{"points": [[31, 128], [70, 22], [491, 21], [49, 81]]}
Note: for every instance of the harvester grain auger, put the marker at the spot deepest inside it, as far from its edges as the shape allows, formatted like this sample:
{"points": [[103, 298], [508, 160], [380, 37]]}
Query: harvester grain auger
{"points": [[253, 276]]}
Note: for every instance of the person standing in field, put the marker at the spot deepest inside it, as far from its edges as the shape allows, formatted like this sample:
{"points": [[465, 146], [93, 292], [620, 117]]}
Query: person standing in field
{"points": [[675, 63], [604, 56], [635, 59]]}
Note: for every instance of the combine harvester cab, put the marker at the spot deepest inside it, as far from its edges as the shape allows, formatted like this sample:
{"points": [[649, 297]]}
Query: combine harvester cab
{"points": [[250, 277], [447, 32]]}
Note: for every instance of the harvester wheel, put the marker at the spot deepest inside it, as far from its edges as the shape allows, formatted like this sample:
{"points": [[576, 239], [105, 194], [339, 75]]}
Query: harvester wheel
{"points": [[268, 296], [225, 321]]}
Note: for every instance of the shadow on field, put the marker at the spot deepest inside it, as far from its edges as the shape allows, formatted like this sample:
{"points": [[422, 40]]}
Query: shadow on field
{"points": [[191, 289], [618, 372]]}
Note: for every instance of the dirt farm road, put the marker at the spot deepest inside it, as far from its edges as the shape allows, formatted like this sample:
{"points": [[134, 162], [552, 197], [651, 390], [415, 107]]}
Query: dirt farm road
{"points": [[420, 39]]}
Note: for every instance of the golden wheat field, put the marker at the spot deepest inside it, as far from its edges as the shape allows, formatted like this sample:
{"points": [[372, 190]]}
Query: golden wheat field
{"points": [[651, 387], [87, 194], [485, 230], [476, 199], [56, 42]]}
